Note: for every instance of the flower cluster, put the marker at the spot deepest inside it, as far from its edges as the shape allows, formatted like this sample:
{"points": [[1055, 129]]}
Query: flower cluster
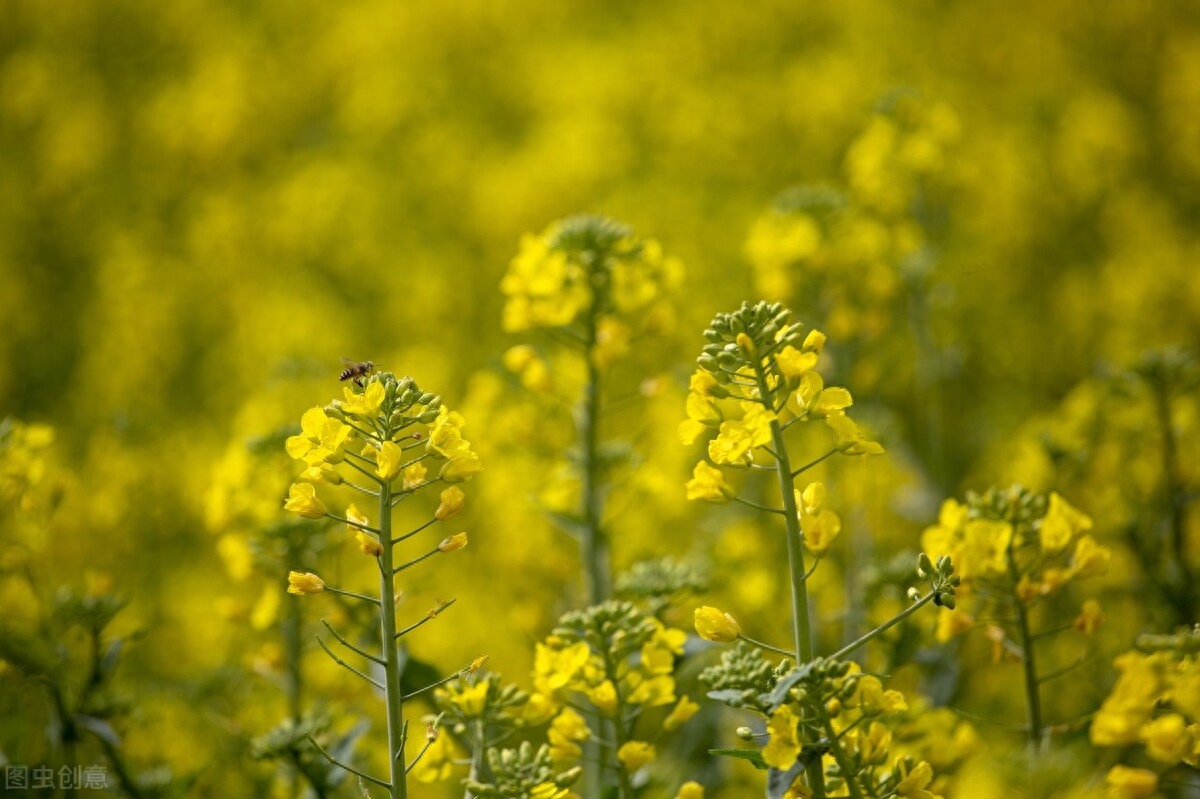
{"points": [[1155, 703], [588, 267]]}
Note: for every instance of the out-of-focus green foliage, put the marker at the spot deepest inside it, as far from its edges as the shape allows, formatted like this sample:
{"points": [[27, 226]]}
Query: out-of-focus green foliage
{"points": [[992, 210]]}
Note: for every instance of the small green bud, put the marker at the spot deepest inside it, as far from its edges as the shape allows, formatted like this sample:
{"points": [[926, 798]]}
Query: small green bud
{"points": [[924, 566], [745, 733]]}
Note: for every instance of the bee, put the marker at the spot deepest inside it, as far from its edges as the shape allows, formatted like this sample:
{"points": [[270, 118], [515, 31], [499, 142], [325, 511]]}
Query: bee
{"points": [[356, 370]]}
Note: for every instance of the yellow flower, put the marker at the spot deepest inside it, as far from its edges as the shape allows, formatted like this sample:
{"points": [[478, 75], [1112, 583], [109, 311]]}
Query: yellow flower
{"points": [[1089, 558], [1089, 618], [708, 483], [368, 544], [322, 438], [1140, 684], [356, 518], [690, 790], [851, 440], [564, 735], [452, 502], [702, 414], [873, 700], [914, 783], [306, 583], [1061, 523], [555, 668], [302, 499], [1131, 783], [604, 697], [454, 542], [1166, 738], [389, 459], [414, 476], [738, 437], [635, 754], [365, 404], [471, 700], [445, 434], [794, 363], [653, 691], [684, 709], [715, 625], [783, 748], [548, 790], [461, 467]]}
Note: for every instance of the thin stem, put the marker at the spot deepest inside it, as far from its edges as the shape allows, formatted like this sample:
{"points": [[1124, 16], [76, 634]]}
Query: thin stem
{"points": [[814, 462], [387, 640], [415, 560], [351, 594], [839, 755], [346, 766], [351, 646], [346, 665], [768, 647], [594, 540], [757, 506], [911, 609]]}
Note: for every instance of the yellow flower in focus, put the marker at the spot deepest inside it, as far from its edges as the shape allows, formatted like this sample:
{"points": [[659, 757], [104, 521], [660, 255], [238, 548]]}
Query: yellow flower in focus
{"points": [[389, 460], [819, 525], [305, 583], [414, 476], [452, 501], [322, 439], [708, 483], [784, 747], [715, 625], [635, 754], [366, 404], [702, 414], [1131, 783], [738, 437], [445, 434], [555, 668], [684, 709], [302, 499], [471, 700], [794, 363]]}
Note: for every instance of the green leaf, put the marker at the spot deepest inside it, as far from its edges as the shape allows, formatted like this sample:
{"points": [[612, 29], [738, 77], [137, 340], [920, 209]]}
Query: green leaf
{"points": [[752, 756]]}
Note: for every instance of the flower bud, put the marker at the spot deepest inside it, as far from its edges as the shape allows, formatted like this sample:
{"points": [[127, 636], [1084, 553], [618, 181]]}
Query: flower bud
{"points": [[451, 543], [304, 583], [715, 625]]}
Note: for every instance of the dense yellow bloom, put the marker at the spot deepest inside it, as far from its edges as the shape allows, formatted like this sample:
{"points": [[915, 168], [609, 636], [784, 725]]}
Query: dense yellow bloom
{"points": [[302, 499], [738, 437], [1131, 783], [715, 625], [305, 583], [604, 697], [555, 668], [543, 288], [322, 439], [784, 747], [452, 501], [708, 483], [389, 460], [977, 546], [635, 754], [1140, 684]]}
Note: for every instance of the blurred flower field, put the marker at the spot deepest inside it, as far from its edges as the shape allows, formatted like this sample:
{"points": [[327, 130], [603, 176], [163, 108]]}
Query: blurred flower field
{"points": [[577, 227]]}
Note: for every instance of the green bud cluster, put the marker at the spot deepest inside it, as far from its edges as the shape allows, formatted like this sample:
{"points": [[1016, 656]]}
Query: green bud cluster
{"points": [[1016, 505], [516, 772], [744, 678], [404, 403], [942, 579], [615, 627], [658, 582], [498, 707], [764, 324], [589, 238]]}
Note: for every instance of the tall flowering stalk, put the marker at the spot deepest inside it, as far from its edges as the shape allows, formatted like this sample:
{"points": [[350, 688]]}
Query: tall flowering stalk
{"points": [[756, 379], [389, 435], [594, 286]]}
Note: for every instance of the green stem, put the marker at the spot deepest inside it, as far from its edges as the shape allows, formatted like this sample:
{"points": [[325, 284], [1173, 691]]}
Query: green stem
{"points": [[1182, 594], [839, 755], [801, 629], [387, 640], [1033, 699], [594, 543]]}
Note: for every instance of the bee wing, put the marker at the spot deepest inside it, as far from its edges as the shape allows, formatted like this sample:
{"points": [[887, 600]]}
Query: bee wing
{"points": [[349, 363]]}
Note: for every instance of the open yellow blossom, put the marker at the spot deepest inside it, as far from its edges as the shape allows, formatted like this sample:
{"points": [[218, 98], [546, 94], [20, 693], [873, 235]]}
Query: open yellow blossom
{"points": [[738, 437], [635, 754], [322, 439], [414, 475], [566, 731], [702, 414], [784, 747], [604, 697], [1061, 524], [708, 483], [365, 404], [715, 625], [873, 700], [471, 699], [914, 784], [445, 434], [302, 499], [389, 460], [461, 467], [304, 583], [356, 518]]}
